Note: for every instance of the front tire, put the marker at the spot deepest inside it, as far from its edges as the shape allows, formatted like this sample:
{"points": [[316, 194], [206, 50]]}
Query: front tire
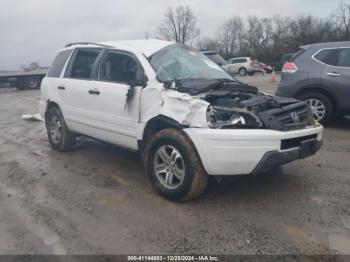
{"points": [[321, 107], [242, 71], [174, 167], [61, 139]]}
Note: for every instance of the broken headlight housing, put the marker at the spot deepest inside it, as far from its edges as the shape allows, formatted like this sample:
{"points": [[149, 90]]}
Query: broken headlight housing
{"points": [[223, 118]]}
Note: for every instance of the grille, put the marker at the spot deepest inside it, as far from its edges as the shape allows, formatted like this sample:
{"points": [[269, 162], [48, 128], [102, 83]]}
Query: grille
{"points": [[291, 117]]}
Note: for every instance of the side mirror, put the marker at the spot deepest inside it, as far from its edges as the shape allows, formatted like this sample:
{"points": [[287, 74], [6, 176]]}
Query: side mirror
{"points": [[141, 80]]}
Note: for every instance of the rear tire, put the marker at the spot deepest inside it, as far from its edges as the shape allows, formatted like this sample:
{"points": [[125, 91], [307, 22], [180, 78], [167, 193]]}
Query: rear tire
{"points": [[20, 85], [321, 107], [61, 139], [180, 178], [32, 82]]}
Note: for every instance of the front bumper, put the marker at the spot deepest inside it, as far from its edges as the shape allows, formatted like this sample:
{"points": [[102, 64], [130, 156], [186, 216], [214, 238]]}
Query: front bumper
{"points": [[276, 158], [241, 151]]}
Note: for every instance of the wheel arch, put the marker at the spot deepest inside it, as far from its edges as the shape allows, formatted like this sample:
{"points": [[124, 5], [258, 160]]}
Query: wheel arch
{"points": [[157, 124], [50, 104], [313, 89]]}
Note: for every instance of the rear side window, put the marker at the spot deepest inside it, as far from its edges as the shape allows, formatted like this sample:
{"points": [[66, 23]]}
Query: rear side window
{"points": [[58, 64], [286, 58], [83, 62], [297, 54], [237, 61], [343, 59], [325, 55]]}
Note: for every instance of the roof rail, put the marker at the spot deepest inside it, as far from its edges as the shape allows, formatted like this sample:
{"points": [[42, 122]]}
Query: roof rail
{"points": [[87, 43]]}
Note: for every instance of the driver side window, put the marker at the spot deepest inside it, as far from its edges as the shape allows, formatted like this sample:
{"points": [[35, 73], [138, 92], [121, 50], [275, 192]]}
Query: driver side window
{"points": [[118, 67]]}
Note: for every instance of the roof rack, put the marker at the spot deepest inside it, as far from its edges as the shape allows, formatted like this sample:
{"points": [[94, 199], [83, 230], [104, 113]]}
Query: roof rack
{"points": [[87, 43]]}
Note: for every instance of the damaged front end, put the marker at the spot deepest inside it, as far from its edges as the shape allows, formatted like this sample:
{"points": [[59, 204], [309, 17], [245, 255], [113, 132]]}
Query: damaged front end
{"points": [[212, 98], [237, 105]]}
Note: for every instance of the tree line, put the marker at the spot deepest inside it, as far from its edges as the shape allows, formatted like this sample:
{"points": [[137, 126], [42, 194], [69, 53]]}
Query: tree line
{"points": [[265, 38]]}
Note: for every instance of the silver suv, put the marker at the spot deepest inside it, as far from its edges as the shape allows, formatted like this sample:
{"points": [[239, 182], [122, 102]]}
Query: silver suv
{"points": [[319, 74], [243, 66]]}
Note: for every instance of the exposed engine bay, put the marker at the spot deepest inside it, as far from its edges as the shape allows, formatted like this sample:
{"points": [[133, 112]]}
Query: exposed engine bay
{"points": [[237, 105]]}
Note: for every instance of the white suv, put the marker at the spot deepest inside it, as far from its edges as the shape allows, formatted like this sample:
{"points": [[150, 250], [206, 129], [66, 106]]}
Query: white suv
{"points": [[186, 116], [243, 66]]}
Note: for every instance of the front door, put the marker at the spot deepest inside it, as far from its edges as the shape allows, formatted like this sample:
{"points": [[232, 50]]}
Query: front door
{"points": [[116, 116]]}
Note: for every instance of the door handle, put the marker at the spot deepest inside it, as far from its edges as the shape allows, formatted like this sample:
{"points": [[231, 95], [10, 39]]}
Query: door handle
{"points": [[94, 92], [332, 74], [62, 87]]}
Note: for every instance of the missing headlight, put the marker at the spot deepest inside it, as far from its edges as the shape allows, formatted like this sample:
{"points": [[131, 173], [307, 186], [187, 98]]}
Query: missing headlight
{"points": [[221, 117]]}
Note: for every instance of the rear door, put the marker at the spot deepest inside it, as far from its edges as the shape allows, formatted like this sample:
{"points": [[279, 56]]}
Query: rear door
{"points": [[75, 90], [336, 76]]}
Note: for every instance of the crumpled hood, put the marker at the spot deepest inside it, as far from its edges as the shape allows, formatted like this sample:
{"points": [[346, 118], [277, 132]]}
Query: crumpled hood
{"points": [[197, 86]]}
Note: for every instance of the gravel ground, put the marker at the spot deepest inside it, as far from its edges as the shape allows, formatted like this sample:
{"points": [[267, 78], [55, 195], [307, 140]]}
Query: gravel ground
{"points": [[97, 200]]}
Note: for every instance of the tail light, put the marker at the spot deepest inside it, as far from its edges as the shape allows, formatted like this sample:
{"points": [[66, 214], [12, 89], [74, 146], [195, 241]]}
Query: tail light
{"points": [[290, 68]]}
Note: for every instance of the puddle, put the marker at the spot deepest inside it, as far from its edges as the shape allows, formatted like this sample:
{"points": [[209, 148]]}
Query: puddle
{"points": [[297, 233], [340, 243]]}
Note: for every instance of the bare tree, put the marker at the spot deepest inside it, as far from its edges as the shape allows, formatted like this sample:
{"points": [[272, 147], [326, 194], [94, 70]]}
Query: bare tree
{"points": [[208, 44], [231, 36], [179, 25], [342, 19], [267, 39], [31, 66]]}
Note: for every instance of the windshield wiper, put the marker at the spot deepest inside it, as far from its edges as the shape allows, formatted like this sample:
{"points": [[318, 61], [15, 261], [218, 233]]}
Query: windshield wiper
{"points": [[227, 80]]}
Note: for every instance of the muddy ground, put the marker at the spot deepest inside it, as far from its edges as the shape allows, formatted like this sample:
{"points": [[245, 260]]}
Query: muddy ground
{"points": [[97, 200]]}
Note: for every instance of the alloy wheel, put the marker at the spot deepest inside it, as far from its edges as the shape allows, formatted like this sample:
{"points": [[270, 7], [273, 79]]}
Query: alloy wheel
{"points": [[318, 109], [169, 167], [55, 130]]}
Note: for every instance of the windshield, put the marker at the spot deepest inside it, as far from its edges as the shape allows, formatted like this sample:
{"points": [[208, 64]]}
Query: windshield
{"points": [[178, 62]]}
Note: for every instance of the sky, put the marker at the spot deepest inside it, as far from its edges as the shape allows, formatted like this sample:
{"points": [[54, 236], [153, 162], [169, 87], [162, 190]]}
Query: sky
{"points": [[35, 30]]}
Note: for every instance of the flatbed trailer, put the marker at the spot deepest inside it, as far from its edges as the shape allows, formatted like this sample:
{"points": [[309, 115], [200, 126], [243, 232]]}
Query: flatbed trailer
{"points": [[23, 79]]}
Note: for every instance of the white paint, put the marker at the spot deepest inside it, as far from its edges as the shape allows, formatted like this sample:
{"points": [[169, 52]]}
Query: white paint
{"points": [[223, 152]]}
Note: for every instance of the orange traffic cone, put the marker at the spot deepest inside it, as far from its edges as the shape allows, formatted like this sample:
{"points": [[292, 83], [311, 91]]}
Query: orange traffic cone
{"points": [[273, 76]]}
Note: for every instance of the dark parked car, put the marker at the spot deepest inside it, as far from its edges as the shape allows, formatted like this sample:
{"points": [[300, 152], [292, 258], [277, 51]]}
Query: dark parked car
{"points": [[286, 58], [278, 65], [319, 74], [218, 59]]}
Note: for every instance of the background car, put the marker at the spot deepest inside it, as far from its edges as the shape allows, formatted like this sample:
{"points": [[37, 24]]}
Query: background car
{"points": [[319, 74], [266, 68], [243, 66], [218, 59], [277, 65], [286, 58]]}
